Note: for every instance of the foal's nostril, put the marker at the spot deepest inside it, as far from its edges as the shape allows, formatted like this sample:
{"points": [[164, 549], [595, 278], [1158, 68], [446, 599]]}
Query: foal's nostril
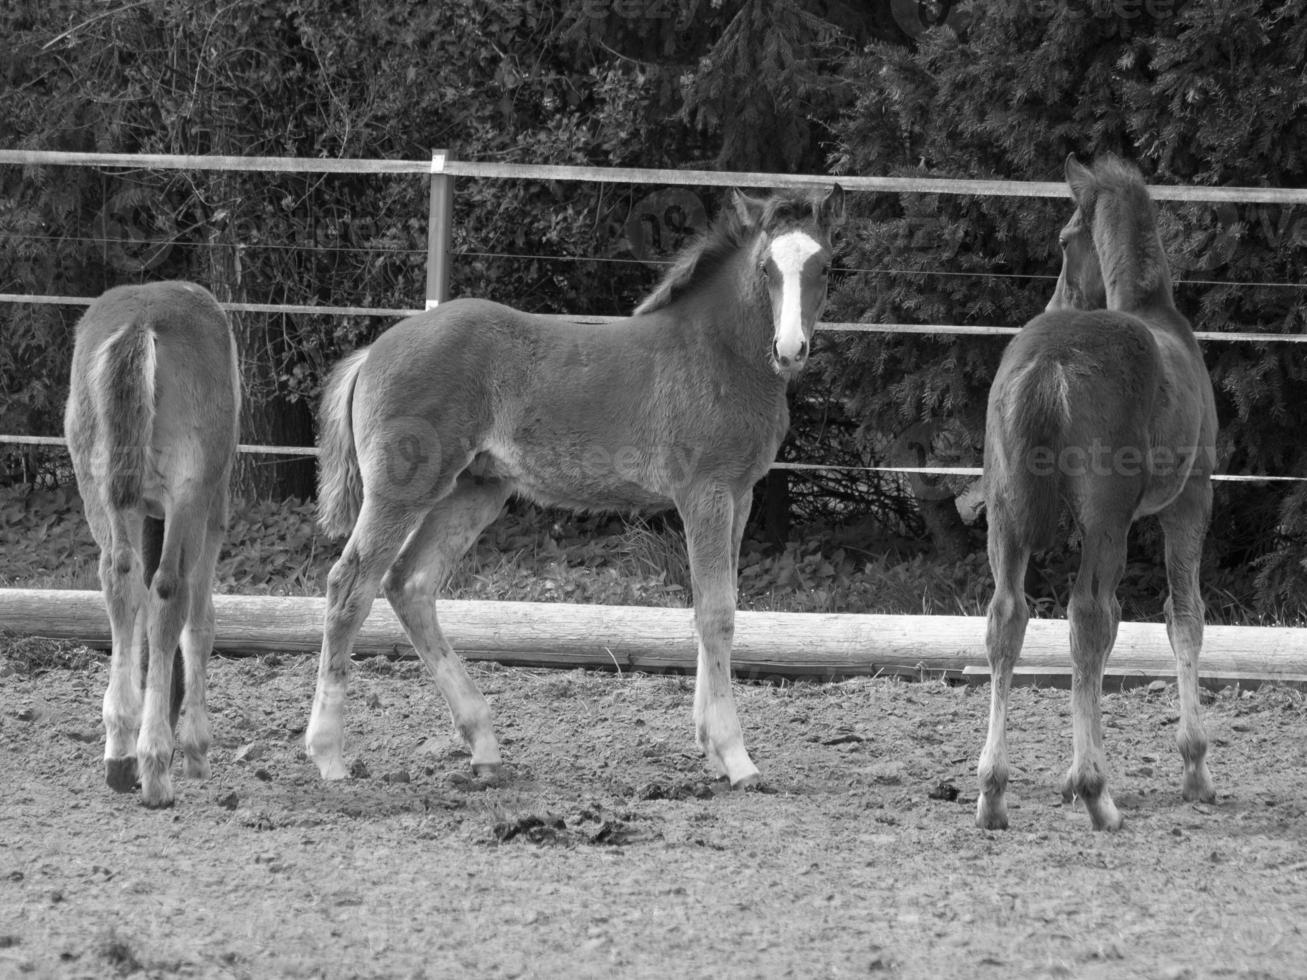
{"points": [[786, 360]]}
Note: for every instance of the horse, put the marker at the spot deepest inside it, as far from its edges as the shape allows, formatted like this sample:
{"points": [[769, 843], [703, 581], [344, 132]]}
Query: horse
{"points": [[426, 434], [151, 423], [1102, 409]]}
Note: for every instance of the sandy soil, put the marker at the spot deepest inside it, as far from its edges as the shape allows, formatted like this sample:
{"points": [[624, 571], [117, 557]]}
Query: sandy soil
{"points": [[608, 852]]}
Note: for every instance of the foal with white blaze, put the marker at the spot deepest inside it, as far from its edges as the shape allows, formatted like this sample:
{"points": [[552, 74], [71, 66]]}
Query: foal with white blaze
{"points": [[427, 433], [151, 423]]}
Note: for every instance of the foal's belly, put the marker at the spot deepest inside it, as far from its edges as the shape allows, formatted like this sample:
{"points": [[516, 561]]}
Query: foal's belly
{"points": [[625, 479]]}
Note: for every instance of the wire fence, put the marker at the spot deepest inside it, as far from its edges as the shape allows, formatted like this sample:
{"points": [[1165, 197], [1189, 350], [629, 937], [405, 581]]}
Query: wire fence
{"points": [[442, 171]]}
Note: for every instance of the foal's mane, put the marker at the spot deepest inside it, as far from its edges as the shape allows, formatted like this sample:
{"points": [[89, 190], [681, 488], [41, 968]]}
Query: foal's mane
{"points": [[1129, 247], [729, 231]]}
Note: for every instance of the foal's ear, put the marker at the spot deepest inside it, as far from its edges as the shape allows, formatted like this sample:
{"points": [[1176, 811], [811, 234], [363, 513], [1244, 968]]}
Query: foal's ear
{"points": [[1081, 181], [749, 209], [830, 210]]}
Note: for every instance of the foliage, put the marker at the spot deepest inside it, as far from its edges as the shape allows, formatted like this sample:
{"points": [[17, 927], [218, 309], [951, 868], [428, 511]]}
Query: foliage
{"points": [[793, 55], [544, 81], [999, 90], [46, 540], [1010, 97]]}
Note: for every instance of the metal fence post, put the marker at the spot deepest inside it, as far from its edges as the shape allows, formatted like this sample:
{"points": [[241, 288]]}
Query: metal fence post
{"points": [[440, 224]]}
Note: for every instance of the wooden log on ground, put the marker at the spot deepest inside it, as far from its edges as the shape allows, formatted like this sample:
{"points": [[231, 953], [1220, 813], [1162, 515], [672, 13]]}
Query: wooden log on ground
{"points": [[767, 644]]}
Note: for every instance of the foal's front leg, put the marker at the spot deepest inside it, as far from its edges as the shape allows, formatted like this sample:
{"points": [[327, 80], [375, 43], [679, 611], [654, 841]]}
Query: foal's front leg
{"points": [[712, 520]]}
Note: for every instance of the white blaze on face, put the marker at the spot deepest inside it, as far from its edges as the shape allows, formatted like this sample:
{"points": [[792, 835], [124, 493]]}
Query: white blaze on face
{"points": [[790, 254]]}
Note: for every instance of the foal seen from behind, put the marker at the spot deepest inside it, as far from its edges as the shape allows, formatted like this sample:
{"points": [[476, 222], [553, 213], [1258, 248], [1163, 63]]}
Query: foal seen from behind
{"points": [[1106, 415], [151, 425], [427, 433]]}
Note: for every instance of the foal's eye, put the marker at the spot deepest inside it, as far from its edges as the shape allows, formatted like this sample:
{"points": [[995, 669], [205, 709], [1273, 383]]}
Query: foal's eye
{"points": [[1061, 243]]}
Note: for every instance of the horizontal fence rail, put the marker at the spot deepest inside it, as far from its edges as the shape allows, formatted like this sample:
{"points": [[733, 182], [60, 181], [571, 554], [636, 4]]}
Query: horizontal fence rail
{"points": [[440, 163], [771, 645], [441, 168], [38, 300], [971, 330]]}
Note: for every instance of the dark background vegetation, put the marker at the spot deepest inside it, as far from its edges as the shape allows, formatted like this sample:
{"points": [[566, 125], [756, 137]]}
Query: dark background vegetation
{"points": [[1197, 91]]}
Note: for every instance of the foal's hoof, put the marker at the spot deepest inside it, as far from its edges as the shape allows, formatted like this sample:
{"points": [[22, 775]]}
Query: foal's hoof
{"points": [[491, 772], [752, 781], [120, 774], [991, 815], [1103, 814], [331, 768], [197, 768], [159, 799], [156, 783], [1198, 791], [1110, 823]]}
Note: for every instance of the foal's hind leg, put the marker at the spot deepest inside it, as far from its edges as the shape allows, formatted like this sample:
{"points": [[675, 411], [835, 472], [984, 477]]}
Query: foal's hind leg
{"points": [[1005, 632], [168, 605], [713, 521], [1185, 525], [1093, 616], [122, 578], [422, 568], [197, 644], [351, 588], [151, 552]]}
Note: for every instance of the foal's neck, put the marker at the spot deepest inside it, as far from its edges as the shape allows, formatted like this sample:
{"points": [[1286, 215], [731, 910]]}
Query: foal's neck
{"points": [[1136, 275], [739, 312]]}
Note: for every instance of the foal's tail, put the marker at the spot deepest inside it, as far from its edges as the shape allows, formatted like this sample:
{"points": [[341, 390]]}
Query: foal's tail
{"points": [[1034, 418], [340, 483], [126, 409]]}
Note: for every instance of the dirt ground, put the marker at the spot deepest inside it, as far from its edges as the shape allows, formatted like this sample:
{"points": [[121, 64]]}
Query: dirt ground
{"points": [[607, 851]]}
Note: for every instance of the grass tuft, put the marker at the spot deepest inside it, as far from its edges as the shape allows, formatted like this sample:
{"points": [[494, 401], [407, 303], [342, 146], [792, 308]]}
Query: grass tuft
{"points": [[31, 656]]}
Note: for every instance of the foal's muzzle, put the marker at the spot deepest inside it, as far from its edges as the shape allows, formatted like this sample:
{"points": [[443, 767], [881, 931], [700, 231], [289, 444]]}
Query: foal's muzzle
{"points": [[788, 364]]}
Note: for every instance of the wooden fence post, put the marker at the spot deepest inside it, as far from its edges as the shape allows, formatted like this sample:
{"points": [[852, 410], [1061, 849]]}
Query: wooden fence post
{"points": [[440, 226]]}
